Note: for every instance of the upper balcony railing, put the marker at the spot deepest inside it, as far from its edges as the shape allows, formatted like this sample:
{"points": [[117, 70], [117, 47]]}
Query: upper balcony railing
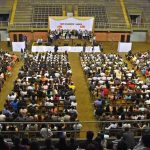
{"points": [[3, 24], [98, 26], [62, 2]]}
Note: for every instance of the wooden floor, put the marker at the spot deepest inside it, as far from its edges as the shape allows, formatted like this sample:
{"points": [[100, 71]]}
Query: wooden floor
{"points": [[85, 107]]}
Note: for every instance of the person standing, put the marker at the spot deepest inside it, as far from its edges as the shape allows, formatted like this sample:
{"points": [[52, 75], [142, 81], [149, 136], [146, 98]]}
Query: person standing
{"points": [[128, 137], [84, 47], [55, 48]]}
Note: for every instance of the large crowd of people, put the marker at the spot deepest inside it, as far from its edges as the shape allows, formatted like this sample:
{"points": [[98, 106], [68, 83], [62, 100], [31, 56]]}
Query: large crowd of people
{"points": [[111, 81], [141, 61], [43, 92], [7, 62]]}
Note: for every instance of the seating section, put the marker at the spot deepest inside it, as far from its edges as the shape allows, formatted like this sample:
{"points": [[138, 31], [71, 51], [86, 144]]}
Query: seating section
{"points": [[140, 8], [7, 61], [141, 62], [29, 12], [118, 93], [6, 6], [23, 12], [43, 92], [114, 12], [38, 11], [98, 11], [42, 12], [57, 1], [107, 13]]}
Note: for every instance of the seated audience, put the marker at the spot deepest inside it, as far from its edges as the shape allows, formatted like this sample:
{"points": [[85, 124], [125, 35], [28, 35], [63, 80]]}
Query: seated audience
{"points": [[7, 61], [41, 92]]}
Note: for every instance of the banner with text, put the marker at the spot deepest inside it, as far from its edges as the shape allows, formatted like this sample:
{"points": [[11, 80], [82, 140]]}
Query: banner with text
{"points": [[71, 23]]}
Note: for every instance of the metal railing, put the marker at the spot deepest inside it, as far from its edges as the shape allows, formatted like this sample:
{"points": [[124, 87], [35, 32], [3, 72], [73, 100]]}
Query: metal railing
{"points": [[63, 2], [139, 26], [29, 25], [110, 25], [98, 25], [98, 127], [4, 24]]}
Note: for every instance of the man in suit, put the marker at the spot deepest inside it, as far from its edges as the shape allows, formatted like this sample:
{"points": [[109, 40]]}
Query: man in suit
{"points": [[144, 143], [128, 137], [55, 48], [84, 47]]}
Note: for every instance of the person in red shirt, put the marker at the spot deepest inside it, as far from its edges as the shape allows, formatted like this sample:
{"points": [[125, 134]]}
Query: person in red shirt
{"points": [[9, 68], [105, 92], [146, 73], [131, 85]]}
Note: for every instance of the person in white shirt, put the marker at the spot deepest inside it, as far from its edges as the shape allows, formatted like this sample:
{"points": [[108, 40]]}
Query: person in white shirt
{"points": [[112, 126], [77, 126], [144, 86], [30, 87], [45, 131], [74, 103], [2, 117], [49, 103], [12, 96], [147, 102], [126, 125], [57, 75]]}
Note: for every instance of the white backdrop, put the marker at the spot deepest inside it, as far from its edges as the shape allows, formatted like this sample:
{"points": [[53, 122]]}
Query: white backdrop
{"points": [[124, 47], [17, 46], [71, 24], [64, 48]]}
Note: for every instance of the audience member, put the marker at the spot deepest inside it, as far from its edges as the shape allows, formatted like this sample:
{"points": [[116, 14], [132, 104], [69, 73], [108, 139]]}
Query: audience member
{"points": [[144, 143], [3, 144], [128, 137], [62, 144]]}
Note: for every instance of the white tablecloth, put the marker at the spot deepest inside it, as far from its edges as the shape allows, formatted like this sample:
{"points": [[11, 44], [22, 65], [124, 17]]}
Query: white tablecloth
{"points": [[64, 48]]}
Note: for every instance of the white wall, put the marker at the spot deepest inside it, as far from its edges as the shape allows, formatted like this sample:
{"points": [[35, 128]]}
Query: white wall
{"points": [[3, 35], [138, 37]]}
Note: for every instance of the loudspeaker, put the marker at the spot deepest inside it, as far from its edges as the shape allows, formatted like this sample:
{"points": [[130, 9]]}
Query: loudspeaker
{"points": [[20, 37], [128, 38], [15, 37], [122, 38]]}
